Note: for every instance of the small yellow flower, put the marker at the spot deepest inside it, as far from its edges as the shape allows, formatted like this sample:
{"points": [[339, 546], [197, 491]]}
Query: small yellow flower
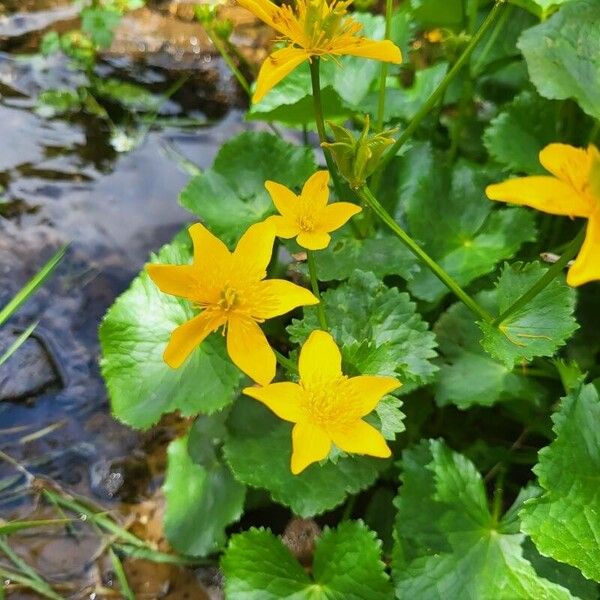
{"points": [[312, 28], [229, 288], [434, 36], [572, 190], [308, 217], [326, 406]]}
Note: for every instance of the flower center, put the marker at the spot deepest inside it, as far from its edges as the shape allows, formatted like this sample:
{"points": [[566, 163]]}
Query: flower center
{"points": [[325, 404], [306, 223], [229, 299]]}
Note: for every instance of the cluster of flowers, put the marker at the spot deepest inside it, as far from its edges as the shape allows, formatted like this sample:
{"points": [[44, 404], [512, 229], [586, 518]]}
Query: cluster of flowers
{"points": [[232, 293]]}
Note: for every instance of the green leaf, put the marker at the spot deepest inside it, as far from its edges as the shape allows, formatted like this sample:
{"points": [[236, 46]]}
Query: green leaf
{"points": [[231, 195], [540, 8], [383, 255], [448, 544], [473, 234], [52, 103], [133, 336], [202, 500], [539, 328], [438, 13], [377, 328], [259, 448], [131, 96], [514, 139], [563, 55], [347, 566], [468, 375], [564, 521], [99, 24]]}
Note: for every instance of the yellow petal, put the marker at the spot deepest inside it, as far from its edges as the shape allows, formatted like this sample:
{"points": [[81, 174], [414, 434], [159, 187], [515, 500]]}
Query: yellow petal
{"points": [[208, 249], [285, 227], [249, 349], [283, 398], [364, 392], [313, 240], [177, 280], [315, 192], [285, 201], [385, 50], [309, 444], [188, 336], [320, 360], [547, 194], [360, 438], [337, 214], [275, 68], [253, 252], [569, 164], [276, 297], [587, 264], [263, 9]]}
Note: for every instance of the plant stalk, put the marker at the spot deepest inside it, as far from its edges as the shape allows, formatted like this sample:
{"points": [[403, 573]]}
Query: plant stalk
{"points": [[389, 7], [314, 282]]}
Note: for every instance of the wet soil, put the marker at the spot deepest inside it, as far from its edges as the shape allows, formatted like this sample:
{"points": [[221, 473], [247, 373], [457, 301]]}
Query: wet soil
{"points": [[63, 183]]}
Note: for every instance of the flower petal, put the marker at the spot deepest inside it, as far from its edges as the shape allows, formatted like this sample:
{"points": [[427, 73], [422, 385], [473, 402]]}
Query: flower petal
{"points": [[253, 252], [313, 240], [191, 334], [263, 9], [547, 194], [587, 264], [276, 297], [309, 444], [283, 398], [364, 392], [569, 164], [208, 249], [315, 192], [275, 68], [249, 349], [385, 50], [177, 280], [337, 214], [320, 360], [360, 438], [285, 227], [285, 201]]}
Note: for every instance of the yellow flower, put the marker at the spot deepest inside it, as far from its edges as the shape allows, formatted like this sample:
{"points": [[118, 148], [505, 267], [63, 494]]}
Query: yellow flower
{"points": [[312, 28], [229, 288], [326, 406], [572, 190], [308, 217]]}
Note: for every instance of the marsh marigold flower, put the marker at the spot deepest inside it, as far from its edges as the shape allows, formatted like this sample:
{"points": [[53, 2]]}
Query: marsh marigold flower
{"points": [[326, 406], [308, 217], [231, 291], [572, 190], [312, 28]]}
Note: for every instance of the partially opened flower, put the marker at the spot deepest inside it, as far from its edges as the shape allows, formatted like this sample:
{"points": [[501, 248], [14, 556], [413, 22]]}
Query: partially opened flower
{"points": [[326, 406], [573, 190], [308, 217], [312, 28], [229, 289]]}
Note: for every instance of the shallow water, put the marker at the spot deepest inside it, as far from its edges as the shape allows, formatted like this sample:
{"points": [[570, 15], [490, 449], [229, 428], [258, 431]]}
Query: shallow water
{"points": [[64, 183]]}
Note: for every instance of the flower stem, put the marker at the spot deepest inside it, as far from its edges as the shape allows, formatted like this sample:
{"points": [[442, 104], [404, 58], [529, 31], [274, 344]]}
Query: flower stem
{"points": [[228, 59], [285, 362], [544, 280], [366, 195], [441, 88], [314, 282], [389, 7]]}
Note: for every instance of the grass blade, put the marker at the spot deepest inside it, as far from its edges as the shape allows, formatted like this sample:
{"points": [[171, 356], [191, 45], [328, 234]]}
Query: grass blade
{"points": [[43, 589], [17, 343], [120, 573], [15, 526]]}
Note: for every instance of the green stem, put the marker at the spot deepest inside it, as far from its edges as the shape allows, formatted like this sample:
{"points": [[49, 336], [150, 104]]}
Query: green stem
{"points": [[314, 282], [230, 62], [439, 91], [285, 362], [365, 194], [544, 280], [498, 496], [389, 6]]}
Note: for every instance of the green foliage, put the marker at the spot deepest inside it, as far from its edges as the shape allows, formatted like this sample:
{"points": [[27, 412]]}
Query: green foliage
{"points": [[99, 24], [202, 495], [514, 139], [52, 103], [563, 521], [133, 336], [563, 55], [540, 8], [448, 542], [438, 13], [231, 195], [540, 327], [259, 448], [131, 96], [347, 565], [377, 328]]}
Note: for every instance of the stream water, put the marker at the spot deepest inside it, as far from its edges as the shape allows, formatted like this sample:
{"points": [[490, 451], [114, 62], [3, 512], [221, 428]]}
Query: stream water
{"points": [[62, 182]]}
